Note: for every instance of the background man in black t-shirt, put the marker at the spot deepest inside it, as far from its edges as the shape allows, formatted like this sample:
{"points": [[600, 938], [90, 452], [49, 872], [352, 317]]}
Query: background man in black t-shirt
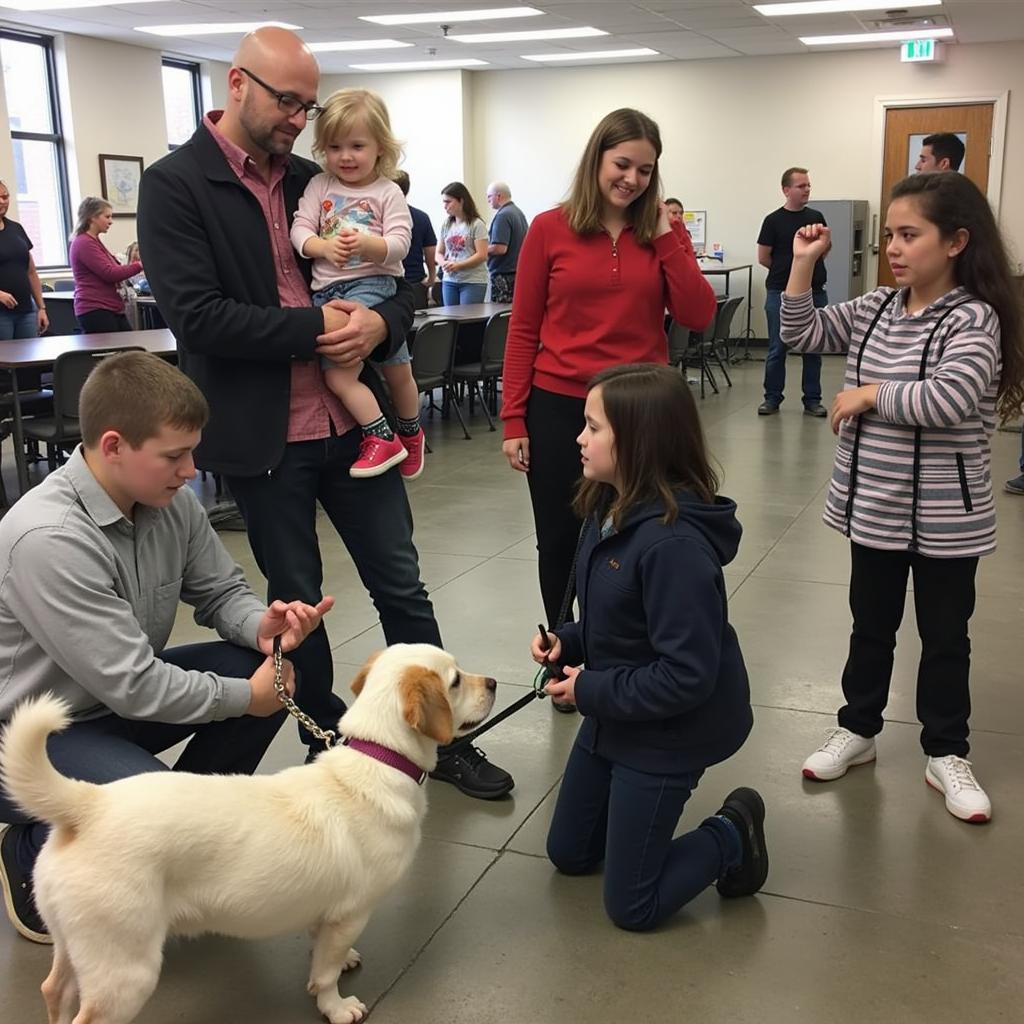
{"points": [[775, 251]]}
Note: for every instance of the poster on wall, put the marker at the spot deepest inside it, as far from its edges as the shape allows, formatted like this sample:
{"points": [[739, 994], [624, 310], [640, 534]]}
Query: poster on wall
{"points": [[119, 179], [696, 222]]}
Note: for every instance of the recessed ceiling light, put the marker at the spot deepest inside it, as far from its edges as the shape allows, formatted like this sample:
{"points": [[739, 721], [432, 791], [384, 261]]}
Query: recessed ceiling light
{"points": [[836, 6], [360, 44], [518, 37], [877, 37], [592, 55], [439, 17], [421, 65], [214, 28], [57, 5]]}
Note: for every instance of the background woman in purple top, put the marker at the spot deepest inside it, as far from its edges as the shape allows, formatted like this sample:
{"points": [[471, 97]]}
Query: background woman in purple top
{"points": [[99, 306]]}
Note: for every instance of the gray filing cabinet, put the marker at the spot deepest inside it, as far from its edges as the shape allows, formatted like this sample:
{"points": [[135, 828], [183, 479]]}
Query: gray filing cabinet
{"points": [[845, 264]]}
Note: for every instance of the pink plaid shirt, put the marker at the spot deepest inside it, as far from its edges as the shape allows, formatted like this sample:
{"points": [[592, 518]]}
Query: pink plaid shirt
{"points": [[312, 406]]}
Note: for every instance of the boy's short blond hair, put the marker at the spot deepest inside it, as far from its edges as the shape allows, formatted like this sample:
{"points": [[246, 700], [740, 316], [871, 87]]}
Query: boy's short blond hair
{"points": [[138, 394], [346, 108]]}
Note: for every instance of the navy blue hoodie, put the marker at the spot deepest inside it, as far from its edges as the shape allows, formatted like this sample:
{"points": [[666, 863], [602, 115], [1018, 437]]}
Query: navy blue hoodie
{"points": [[664, 688]]}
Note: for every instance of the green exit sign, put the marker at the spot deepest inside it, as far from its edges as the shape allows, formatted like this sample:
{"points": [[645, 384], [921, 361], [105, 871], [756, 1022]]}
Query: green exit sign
{"points": [[913, 51]]}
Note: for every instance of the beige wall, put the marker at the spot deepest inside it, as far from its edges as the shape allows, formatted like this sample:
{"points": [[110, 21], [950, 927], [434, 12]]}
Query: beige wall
{"points": [[729, 126]]}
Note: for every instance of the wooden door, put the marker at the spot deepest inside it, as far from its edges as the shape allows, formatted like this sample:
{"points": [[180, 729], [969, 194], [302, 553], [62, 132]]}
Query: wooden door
{"points": [[902, 123]]}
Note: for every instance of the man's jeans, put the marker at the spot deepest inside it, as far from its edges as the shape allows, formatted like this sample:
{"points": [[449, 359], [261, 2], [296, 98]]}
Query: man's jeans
{"points": [[372, 517], [775, 365], [109, 748]]}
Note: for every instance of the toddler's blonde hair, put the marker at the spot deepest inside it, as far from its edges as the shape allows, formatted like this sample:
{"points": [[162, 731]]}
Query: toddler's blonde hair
{"points": [[346, 108]]}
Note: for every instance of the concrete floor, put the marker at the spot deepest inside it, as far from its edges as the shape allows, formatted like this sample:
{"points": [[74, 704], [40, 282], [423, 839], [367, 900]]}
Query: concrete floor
{"points": [[879, 905]]}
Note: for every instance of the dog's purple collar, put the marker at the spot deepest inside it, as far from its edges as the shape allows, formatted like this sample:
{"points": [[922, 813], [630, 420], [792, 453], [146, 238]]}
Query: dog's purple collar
{"points": [[389, 757]]}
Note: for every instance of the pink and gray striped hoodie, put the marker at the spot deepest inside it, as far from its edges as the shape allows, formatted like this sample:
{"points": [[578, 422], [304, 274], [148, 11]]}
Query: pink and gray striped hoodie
{"points": [[913, 473]]}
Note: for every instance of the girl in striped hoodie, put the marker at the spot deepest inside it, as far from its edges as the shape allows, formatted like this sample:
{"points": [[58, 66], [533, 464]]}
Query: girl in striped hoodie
{"points": [[930, 365]]}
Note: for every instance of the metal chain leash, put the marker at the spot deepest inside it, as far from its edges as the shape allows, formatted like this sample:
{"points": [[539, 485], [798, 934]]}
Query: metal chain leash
{"points": [[326, 736]]}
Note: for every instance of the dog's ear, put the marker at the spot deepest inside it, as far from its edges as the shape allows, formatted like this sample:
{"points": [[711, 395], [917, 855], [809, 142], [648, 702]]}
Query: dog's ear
{"points": [[425, 705], [360, 680]]}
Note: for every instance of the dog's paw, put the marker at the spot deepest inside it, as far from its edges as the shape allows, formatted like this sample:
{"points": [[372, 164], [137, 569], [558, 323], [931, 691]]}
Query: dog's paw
{"points": [[352, 959], [348, 1010]]}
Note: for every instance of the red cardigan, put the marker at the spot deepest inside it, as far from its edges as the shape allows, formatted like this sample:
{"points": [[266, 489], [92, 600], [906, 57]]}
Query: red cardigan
{"points": [[583, 304]]}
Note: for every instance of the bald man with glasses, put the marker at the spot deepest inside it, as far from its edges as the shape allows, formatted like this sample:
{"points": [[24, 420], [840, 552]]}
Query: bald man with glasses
{"points": [[214, 220]]}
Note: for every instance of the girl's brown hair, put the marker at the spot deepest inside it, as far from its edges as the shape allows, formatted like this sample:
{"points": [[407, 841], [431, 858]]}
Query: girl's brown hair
{"points": [[659, 444], [584, 205], [953, 202], [456, 190], [345, 109]]}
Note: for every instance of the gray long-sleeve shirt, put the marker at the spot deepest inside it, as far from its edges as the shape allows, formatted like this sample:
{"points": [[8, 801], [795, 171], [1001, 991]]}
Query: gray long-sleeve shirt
{"points": [[88, 600]]}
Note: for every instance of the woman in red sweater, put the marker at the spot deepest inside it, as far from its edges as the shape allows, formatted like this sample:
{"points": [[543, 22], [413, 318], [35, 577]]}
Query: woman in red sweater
{"points": [[595, 276], [99, 306]]}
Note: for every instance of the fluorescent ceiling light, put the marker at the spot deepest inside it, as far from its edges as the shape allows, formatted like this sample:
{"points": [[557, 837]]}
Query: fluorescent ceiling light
{"points": [[216, 28], [440, 17], [519, 37], [361, 44], [421, 65], [877, 37], [836, 6], [57, 5], [592, 55]]}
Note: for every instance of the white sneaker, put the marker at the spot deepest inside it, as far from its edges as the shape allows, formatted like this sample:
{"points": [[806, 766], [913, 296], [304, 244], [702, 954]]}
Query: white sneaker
{"points": [[841, 750], [965, 799]]}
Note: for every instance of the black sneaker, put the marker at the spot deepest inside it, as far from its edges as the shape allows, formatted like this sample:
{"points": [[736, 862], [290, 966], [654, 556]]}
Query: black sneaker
{"points": [[17, 886], [767, 409], [745, 809], [817, 410], [469, 770], [566, 707]]}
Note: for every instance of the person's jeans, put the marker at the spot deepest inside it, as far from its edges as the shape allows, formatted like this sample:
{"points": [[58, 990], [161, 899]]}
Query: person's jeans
{"points": [[943, 602], [372, 517], [105, 749], [775, 364], [455, 293], [18, 325], [626, 818], [368, 291]]}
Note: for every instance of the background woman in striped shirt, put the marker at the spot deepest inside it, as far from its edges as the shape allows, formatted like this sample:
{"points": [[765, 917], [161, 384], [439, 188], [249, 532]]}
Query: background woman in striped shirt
{"points": [[929, 366]]}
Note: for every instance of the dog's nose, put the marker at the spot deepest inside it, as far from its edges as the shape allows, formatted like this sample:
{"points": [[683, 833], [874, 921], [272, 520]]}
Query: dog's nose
{"points": [[492, 684]]}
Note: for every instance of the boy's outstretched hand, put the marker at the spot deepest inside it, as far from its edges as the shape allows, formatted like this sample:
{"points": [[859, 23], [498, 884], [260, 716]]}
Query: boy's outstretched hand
{"points": [[293, 621]]}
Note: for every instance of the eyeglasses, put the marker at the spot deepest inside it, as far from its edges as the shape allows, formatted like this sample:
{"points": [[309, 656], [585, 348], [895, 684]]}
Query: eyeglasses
{"points": [[291, 105]]}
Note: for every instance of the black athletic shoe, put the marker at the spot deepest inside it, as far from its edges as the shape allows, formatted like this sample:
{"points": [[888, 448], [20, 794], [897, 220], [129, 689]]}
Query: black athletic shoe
{"points": [[565, 707], [767, 409], [745, 809], [469, 770], [17, 886], [817, 410]]}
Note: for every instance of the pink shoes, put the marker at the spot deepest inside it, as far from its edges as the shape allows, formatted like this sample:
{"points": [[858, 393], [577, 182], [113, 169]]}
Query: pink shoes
{"points": [[376, 456], [413, 465]]}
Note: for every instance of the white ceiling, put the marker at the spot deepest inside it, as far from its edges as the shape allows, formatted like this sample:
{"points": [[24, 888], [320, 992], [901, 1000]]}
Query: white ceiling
{"points": [[677, 30]]}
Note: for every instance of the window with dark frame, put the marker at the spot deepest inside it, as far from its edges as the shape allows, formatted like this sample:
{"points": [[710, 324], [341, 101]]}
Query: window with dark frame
{"points": [[183, 100], [40, 163]]}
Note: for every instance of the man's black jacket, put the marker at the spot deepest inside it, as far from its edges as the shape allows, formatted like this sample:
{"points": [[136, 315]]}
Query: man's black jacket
{"points": [[209, 258]]}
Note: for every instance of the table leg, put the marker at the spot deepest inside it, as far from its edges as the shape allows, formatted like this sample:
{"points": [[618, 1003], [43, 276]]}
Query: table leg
{"points": [[18, 436]]}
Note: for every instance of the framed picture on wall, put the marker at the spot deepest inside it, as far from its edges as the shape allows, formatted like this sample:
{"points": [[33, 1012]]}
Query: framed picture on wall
{"points": [[119, 179]]}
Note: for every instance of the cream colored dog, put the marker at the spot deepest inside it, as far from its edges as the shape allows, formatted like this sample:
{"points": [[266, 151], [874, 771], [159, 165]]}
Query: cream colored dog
{"points": [[171, 853]]}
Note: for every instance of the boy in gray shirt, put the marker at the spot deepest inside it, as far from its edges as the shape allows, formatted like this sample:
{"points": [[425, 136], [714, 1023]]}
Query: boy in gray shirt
{"points": [[93, 563]]}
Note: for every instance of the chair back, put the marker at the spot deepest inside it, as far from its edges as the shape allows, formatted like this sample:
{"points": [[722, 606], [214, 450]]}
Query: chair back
{"points": [[725, 317], [62, 318], [433, 349], [492, 355], [70, 370], [678, 343]]}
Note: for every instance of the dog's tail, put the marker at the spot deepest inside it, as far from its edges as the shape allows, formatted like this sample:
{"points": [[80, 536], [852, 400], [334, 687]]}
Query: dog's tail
{"points": [[26, 771]]}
